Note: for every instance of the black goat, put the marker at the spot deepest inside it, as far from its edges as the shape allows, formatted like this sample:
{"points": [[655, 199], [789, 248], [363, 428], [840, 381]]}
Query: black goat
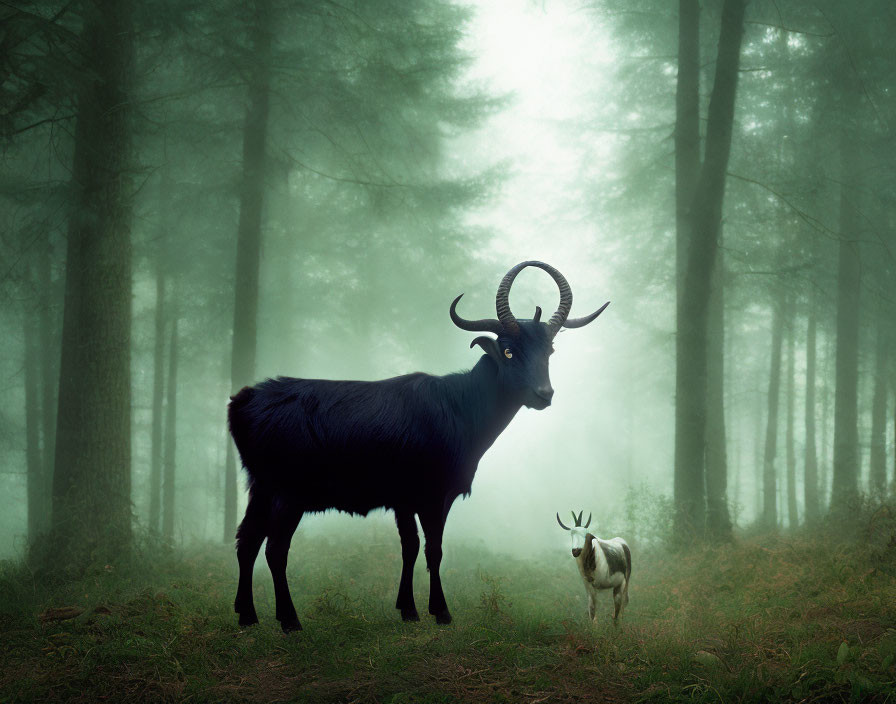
{"points": [[411, 444]]}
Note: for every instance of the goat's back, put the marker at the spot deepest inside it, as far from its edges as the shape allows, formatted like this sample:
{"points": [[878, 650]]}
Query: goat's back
{"points": [[365, 443]]}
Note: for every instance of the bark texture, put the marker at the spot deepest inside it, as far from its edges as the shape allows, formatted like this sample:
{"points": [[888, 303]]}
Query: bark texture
{"points": [[158, 389], [718, 520], [878, 468], [846, 413], [245, 309], [49, 324], [702, 222], [790, 439], [33, 458], [810, 479], [769, 475], [168, 495], [92, 476]]}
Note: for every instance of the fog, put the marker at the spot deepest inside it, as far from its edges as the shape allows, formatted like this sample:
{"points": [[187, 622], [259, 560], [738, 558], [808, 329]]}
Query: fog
{"points": [[401, 168], [213, 210]]}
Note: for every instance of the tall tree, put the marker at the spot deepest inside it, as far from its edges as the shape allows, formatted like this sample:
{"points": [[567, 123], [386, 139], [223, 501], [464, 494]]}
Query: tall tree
{"points": [[810, 477], [790, 439], [825, 479], [687, 129], [35, 470], [702, 223], [878, 460], [158, 389], [846, 414], [769, 475], [92, 482], [168, 494], [48, 320], [718, 519], [249, 240]]}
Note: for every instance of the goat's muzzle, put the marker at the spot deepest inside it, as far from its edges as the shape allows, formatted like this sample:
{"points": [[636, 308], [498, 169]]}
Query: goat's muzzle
{"points": [[576, 552]]}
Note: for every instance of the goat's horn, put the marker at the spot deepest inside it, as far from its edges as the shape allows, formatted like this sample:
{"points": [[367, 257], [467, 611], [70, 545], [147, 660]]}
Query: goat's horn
{"points": [[579, 519], [561, 523], [484, 325], [589, 521], [537, 314], [557, 319], [582, 322], [574, 518]]}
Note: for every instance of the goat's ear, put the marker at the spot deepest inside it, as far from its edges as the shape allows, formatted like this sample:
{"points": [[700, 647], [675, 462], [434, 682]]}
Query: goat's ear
{"points": [[490, 346]]}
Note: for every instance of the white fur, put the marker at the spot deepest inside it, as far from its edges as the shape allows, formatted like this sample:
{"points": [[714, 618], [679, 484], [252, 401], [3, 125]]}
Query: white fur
{"points": [[601, 577]]}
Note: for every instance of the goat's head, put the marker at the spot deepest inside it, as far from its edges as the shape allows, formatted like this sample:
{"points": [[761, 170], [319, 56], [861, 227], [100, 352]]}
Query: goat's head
{"points": [[524, 346], [577, 532]]}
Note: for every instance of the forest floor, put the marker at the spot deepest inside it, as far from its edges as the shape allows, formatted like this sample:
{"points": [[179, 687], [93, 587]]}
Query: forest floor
{"points": [[763, 619]]}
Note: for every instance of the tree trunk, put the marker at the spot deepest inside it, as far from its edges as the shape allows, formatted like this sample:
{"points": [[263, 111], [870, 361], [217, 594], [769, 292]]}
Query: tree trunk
{"points": [[734, 433], [758, 464], [810, 480], [245, 310], [48, 324], [92, 481], [790, 441], [824, 473], [769, 478], [846, 438], [170, 438], [718, 520], [33, 459], [688, 485], [158, 387], [878, 468], [687, 128], [702, 224]]}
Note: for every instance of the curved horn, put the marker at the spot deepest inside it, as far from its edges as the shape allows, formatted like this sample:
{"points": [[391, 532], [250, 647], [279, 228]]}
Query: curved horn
{"points": [[589, 521], [503, 305], [579, 519], [537, 314], [574, 518], [502, 302], [561, 523], [483, 325], [582, 322]]}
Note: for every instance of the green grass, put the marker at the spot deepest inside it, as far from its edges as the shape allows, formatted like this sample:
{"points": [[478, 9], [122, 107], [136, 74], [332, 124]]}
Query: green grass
{"points": [[763, 619]]}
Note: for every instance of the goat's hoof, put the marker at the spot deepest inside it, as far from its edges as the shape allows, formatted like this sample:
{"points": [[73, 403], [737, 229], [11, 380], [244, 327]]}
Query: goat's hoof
{"points": [[443, 617], [290, 625], [249, 619], [410, 615]]}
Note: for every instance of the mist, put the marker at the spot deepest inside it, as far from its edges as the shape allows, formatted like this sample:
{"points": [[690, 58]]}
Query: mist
{"points": [[196, 197]]}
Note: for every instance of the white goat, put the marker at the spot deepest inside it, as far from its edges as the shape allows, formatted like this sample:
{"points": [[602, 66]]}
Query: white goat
{"points": [[603, 564]]}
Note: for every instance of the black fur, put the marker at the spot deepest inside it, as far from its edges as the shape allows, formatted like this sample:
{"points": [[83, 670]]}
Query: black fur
{"points": [[616, 560], [411, 444]]}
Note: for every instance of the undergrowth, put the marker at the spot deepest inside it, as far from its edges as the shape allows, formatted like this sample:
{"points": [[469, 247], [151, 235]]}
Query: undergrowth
{"points": [[763, 619]]}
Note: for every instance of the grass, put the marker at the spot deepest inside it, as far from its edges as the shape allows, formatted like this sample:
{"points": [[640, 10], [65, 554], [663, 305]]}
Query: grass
{"points": [[764, 619]]}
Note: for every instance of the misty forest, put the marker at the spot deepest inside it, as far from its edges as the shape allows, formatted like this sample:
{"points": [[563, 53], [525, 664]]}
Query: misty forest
{"points": [[279, 202]]}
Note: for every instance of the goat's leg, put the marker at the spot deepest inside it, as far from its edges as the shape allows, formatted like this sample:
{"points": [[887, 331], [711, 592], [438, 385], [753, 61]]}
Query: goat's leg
{"points": [[433, 522], [249, 537], [410, 547], [283, 523], [617, 601], [591, 605]]}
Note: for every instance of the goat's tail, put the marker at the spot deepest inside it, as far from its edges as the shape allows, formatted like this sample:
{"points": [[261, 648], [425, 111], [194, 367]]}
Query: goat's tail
{"points": [[236, 418], [628, 568]]}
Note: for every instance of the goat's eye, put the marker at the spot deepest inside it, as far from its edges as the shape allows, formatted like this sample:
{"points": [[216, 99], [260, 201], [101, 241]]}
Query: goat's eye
{"points": [[508, 353]]}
